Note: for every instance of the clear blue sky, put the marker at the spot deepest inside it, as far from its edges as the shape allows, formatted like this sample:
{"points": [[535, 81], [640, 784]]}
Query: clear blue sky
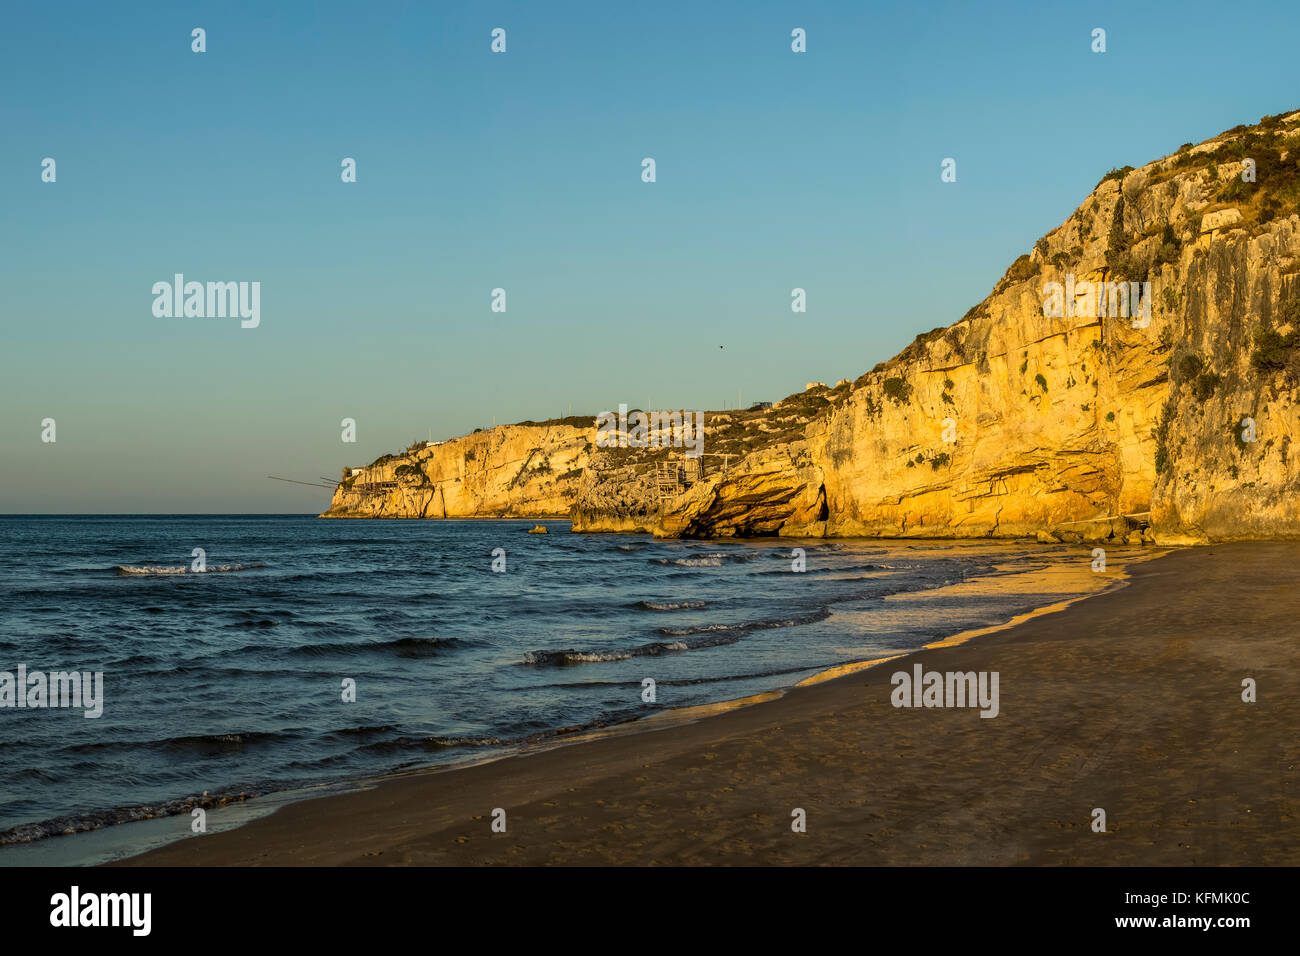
{"points": [[775, 170]]}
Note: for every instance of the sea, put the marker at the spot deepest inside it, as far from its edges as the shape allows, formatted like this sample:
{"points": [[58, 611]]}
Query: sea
{"points": [[311, 655]]}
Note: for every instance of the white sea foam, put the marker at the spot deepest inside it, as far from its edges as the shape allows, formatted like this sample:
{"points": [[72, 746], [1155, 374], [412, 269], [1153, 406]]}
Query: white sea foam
{"points": [[182, 569]]}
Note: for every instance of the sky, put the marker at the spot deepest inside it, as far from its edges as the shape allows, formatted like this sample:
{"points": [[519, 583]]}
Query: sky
{"points": [[522, 170]]}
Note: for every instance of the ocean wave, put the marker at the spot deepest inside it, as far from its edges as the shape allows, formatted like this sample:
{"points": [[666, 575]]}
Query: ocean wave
{"points": [[693, 681], [97, 820], [203, 744], [690, 639], [713, 559], [432, 743], [402, 646], [220, 743], [571, 656], [698, 629], [435, 743], [668, 605], [145, 569], [745, 627], [363, 731], [420, 646]]}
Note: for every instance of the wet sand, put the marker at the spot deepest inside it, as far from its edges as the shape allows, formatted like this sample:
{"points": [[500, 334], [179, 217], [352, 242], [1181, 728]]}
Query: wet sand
{"points": [[1129, 701]]}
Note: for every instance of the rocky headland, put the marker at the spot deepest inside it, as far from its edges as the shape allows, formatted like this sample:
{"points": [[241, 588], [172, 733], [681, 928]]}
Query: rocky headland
{"points": [[1060, 406]]}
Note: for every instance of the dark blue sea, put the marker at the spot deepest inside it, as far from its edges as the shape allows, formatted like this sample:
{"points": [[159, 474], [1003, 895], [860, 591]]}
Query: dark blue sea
{"points": [[230, 682]]}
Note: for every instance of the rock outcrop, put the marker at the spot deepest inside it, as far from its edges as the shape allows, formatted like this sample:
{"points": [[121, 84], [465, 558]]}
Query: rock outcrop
{"points": [[526, 471], [1133, 377]]}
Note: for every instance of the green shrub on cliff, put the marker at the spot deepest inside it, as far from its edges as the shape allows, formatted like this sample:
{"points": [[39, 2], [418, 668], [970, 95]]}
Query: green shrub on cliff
{"points": [[1117, 240], [1191, 369], [1277, 351], [1273, 350], [1189, 366], [1023, 268], [1113, 174], [1206, 384], [1234, 191], [1288, 308], [1170, 247], [1162, 460], [897, 389]]}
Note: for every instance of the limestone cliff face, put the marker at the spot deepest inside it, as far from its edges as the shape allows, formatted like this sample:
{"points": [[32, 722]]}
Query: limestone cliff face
{"points": [[521, 471], [1078, 425], [1078, 422]]}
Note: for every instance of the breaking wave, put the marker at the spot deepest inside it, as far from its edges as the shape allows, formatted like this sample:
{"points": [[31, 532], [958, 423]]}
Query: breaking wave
{"points": [[145, 569], [668, 605], [744, 628]]}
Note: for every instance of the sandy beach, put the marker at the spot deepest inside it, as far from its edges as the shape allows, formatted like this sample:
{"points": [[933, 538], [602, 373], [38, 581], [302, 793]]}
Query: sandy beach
{"points": [[1129, 701]]}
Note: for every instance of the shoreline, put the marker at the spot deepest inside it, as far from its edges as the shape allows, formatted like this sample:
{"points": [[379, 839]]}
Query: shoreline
{"points": [[161, 828], [237, 812], [1104, 704]]}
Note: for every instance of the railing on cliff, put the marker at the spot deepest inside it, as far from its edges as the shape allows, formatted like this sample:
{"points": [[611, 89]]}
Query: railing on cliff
{"points": [[366, 487]]}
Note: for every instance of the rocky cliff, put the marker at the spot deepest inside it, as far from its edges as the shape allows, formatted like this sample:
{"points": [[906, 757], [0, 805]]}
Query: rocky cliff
{"points": [[1132, 376], [529, 470]]}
